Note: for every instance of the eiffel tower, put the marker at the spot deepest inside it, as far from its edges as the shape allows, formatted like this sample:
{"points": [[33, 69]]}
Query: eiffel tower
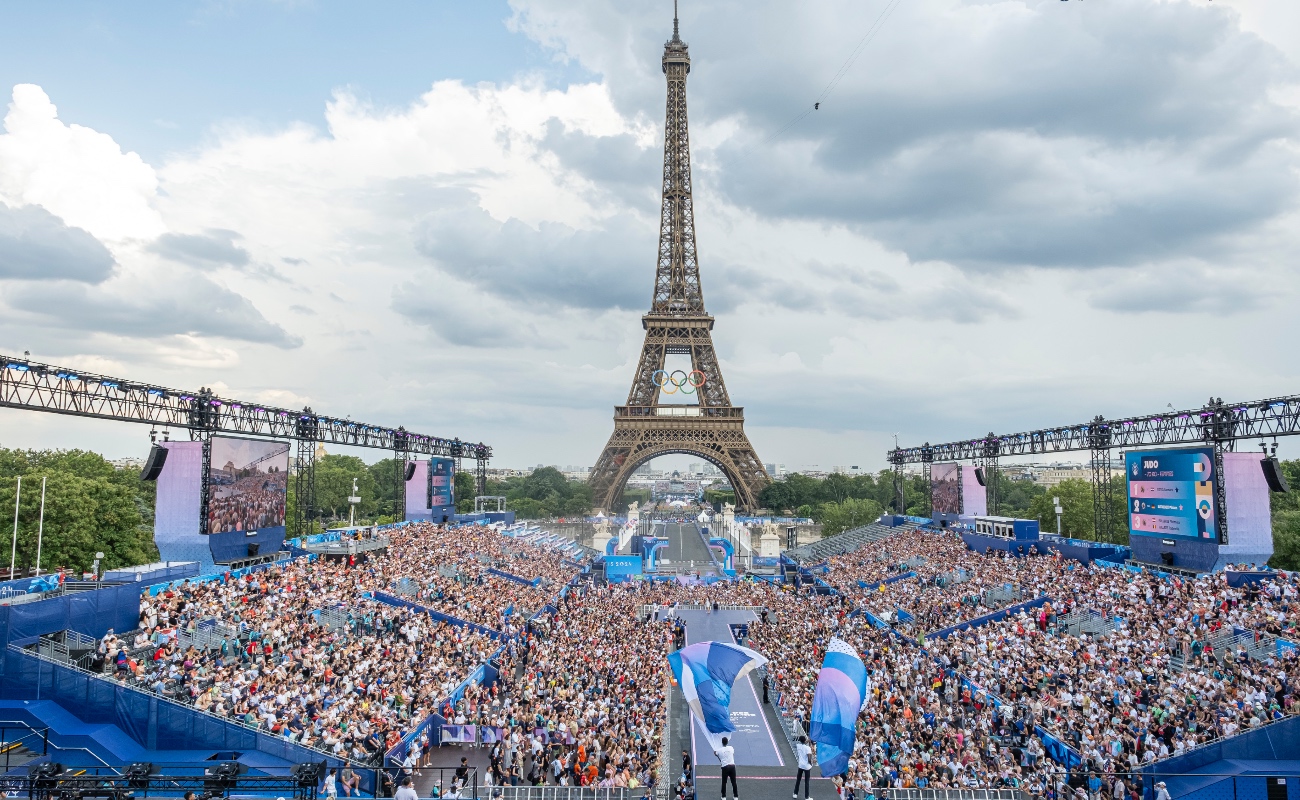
{"points": [[713, 429]]}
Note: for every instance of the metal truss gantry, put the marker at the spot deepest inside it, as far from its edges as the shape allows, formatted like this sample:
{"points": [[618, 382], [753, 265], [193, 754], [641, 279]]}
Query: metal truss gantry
{"points": [[678, 325], [33, 386], [1216, 424]]}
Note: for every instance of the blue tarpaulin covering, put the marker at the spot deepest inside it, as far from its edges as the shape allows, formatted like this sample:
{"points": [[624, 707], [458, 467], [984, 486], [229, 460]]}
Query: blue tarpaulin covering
{"points": [[93, 613]]}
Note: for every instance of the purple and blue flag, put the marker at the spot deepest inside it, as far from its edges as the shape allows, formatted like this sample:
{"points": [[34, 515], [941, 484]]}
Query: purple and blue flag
{"points": [[841, 689]]}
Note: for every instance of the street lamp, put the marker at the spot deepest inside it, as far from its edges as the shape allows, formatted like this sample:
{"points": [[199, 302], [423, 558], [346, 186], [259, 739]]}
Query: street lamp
{"points": [[353, 499], [1056, 503]]}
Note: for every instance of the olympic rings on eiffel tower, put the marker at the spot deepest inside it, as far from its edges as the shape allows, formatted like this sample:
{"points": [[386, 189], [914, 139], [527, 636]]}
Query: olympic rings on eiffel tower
{"points": [[670, 383]]}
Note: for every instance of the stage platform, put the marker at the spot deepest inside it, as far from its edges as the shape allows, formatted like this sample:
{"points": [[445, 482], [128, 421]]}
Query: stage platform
{"points": [[754, 740]]}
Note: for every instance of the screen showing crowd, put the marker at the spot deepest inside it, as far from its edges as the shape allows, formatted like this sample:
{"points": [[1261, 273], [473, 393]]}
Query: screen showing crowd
{"points": [[944, 488], [249, 480]]}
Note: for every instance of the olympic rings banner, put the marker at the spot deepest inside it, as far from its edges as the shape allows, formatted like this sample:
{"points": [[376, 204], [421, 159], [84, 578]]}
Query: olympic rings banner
{"points": [[671, 383]]}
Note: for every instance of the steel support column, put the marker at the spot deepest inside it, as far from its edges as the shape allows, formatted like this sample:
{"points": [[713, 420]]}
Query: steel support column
{"points": [[991, 451], [304, 480], [1221, 431], [927, 505], [1103, 500]]}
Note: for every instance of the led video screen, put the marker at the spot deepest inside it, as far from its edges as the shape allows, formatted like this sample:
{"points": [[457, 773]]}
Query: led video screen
{"points": [[248, 481], [944, 488], [1171, 493], [441, 482]]}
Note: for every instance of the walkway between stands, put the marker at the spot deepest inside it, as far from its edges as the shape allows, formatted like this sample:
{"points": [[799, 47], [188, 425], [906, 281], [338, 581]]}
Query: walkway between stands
{"points": [[764, 762], [754, 740]]}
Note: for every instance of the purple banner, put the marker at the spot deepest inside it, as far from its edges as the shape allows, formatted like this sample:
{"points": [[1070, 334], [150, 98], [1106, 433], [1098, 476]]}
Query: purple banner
{"points": [[459, 734]]}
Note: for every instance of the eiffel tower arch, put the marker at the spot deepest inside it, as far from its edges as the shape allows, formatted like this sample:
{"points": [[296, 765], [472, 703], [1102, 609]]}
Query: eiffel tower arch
{"points": [[677, 324]]}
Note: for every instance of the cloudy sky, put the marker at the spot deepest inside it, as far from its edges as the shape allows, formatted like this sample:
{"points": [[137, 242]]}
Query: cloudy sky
{"points": [[1005, 214]]}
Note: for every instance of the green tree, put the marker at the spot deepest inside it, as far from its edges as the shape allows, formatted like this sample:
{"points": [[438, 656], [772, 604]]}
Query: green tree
{"points": [[547, 493], [89, 507], [334, 475], [716, 497], [464, 492], [1076, 504], [385, 475], [1015, 497], [846, 515], [836, 488], [1286, 520]]}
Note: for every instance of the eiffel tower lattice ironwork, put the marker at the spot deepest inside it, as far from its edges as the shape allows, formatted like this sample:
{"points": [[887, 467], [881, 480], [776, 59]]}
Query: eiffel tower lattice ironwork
{"points": [[677, 324]]}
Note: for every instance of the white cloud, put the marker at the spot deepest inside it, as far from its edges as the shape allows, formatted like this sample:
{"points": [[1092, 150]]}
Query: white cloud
{"points": [[76, 173], [1003, 210]]}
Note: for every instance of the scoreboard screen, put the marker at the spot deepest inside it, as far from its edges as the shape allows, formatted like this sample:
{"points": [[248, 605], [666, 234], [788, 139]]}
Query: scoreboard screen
{"points": [[1171, 493]]}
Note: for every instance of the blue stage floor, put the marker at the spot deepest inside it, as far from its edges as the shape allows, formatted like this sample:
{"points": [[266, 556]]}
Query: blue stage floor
{"points": [[755, 742]]}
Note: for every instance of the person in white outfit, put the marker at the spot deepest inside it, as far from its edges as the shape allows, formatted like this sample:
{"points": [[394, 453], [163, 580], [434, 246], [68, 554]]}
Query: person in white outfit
{"points": [[803, 753], [727, 758]]}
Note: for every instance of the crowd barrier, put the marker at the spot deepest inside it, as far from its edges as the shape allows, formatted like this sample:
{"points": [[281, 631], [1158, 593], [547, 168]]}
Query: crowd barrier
{"points": [[1273, 742], [156, 589], [153, 722], [1053, 747], [399, 602], [1239, 578], [996, 616], [1083, 550], [159, 573], [875, 587], [517, 579], [568, 793], [951, 794], [484, 674]]}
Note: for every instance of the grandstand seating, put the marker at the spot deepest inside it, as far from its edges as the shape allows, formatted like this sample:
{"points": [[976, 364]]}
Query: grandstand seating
{"points": [[847, 542], [1014, 652]]}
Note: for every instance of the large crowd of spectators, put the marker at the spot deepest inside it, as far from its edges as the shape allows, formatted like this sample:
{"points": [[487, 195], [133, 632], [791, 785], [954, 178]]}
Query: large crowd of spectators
{"points": [[1148, 682], [300, 650], [580, 698]]}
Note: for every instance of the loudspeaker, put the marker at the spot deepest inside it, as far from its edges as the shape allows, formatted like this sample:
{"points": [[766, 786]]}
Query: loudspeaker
{"points": [[410, 470], [253, 547], [979, 476], [45, 776], [1274, 475], [308, 774], [1167, 557], [223, 776], [154, 464], [137, 774]]}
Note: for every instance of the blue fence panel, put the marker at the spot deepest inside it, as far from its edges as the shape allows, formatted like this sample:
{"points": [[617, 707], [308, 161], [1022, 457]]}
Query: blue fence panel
{"points": [[517, 579], [393, 600], [996, 616]]}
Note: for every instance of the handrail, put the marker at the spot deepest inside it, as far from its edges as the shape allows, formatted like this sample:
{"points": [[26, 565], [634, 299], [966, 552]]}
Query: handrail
{"points": [[164, 699], [44, 734], [788, 728], [568, 792], [661, 785]]}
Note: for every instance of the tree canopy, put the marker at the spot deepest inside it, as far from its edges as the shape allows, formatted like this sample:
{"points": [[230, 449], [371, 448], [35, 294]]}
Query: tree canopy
{"points": [[541, 494], [90, 506]]}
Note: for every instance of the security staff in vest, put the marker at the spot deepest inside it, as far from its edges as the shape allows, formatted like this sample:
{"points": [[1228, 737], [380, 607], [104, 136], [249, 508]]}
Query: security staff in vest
{"points": [[727, 758]]}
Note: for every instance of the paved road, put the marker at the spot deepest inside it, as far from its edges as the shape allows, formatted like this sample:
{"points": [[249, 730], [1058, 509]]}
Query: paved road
{"points": [[684, 543]]}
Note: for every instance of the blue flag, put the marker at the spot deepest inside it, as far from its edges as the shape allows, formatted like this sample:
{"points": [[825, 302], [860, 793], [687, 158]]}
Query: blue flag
{"points": [[841, 688], [706, 672]]}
